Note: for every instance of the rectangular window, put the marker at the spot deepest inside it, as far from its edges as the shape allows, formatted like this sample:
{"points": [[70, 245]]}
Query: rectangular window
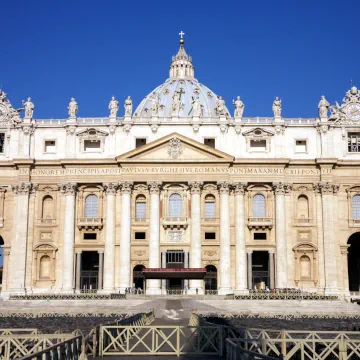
{"points": [[50, 146], [259, 236], [92, 145], [258, 145], [140, 142], [2, 143], [354, 142], [140, 211], [210, 236], [210, 142], [300, 146], [140, 235], [209, 209], [90, 236]]}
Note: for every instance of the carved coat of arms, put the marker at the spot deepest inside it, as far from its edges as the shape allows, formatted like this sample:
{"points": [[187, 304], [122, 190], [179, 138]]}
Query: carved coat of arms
{"points": [[175, 148]]}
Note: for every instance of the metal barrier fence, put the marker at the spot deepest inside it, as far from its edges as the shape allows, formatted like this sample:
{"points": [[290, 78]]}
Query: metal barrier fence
{"points": [[77, 296]]}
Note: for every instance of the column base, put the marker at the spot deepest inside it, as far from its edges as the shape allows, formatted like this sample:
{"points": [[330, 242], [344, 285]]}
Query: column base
{"points": [[154, 291], [225, 291], [241, 291], [192, 291]]}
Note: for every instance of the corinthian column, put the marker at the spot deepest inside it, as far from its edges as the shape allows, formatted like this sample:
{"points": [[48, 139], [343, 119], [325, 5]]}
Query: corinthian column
{"points": [[125, 235], [327, 192], [19, 243], [69, 190], [281, 248], [110, 229], [240, 249], [225, 268], [195, 250], [153, 286]]}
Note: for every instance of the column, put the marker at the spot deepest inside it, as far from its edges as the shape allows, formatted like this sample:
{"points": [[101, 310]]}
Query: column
{"points": [[240, 249], [19, 244], [249, 272], [345, 267], [331, 283], [320, 236], [163, 265], [225, 262], [27, 131], [69, 190], [101, 266], [271, 269], [281, 248], [78, 271], [125, 236], [323, 130], [186, 265], [195, 249], [70, 141], [110, 233], [153, 285]]}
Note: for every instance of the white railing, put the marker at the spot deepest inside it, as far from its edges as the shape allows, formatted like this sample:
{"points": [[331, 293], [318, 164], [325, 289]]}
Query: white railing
{"points": [[47, 221], [355, 222], [140, 219], [92, 120], [175, 221], [90, 223]]}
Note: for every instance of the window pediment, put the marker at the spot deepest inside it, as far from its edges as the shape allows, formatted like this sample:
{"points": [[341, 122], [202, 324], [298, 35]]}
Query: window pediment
{"points": [[258, 133], [92, 133]]}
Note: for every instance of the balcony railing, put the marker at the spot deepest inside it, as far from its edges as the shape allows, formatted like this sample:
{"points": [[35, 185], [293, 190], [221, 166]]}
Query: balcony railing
{"points": [[140, 220], [210, 219], [303, 222], [355, 222], [175, 222], [90, 223], [46, 222], [260, 222]]}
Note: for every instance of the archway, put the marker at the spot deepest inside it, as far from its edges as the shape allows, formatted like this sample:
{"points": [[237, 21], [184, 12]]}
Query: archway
{"points": [[138, 277], [210, 278], [354, 262], [1, 259]]}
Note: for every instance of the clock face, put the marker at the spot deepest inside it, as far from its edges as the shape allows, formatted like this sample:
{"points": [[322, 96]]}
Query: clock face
{"points": [[3, 112], [353, 111]]}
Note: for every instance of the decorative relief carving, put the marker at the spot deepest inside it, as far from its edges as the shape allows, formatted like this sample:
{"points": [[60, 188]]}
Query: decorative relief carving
{"points": [[240, 188], [127, 128], [110, 188], [70, 130], [195, 187], [68, 188], [175, 148], [125, 187], [23, 188], [175, 236], [328, 188], [8, 115], [154, 187], [224, 187]]}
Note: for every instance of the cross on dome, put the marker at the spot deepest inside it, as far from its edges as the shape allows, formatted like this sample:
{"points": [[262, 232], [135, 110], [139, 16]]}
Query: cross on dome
{"points": [[181, 33]]}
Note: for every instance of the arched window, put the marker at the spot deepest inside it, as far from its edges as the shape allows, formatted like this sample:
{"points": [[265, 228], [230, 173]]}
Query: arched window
{"points": [[48, 207], [210, 206], [305, 267], [175, 205], [356, 207], [91, 206], [302, 207], [140, 207], [45, 267], [259, 206]]}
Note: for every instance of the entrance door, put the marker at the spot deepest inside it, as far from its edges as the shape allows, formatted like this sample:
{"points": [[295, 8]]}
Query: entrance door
{"points": [[89, 270], [175, 259], [354, 262], [260, 270]]}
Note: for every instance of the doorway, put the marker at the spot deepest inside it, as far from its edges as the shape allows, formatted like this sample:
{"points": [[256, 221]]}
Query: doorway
{"points": [[210, 278], [354, 262], [89, 270], [175, 259], [260, 270], [138, 277]]}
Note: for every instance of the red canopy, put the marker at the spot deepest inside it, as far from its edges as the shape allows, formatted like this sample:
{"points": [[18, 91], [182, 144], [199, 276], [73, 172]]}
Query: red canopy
{"points": [[174, 273]]}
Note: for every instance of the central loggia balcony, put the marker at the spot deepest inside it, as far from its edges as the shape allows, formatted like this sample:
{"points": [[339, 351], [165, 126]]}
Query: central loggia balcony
{"points": [[90, 223], [260, 223], [176, 222]]}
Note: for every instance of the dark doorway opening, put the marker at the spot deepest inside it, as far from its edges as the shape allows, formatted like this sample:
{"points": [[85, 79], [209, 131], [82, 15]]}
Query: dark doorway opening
{"points": [[260, 270], [354, 262], [1, 259], [89, 270], [210, 278], [138, 277], [175, 259]]}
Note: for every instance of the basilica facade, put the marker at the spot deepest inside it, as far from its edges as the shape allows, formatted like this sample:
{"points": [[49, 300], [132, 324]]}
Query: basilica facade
{"points": [[179, 182]]}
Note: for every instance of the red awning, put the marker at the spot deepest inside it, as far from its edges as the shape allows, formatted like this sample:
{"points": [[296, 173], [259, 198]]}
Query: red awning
{"points": [[170, 273]]}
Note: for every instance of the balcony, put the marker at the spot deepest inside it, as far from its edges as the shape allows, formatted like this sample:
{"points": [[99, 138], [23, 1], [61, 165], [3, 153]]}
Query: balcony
{"points": [[140, 220], [210, 220], [46, 222], [303, 222], [260, 223], [90, 223], [175, 222], [354, 222]]}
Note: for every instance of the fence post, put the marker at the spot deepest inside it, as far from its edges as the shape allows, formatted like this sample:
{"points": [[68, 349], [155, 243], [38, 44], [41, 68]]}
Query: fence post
{"points": [[83, 349], [221, 343], [101, 341], [283, 343], [178, 341]]}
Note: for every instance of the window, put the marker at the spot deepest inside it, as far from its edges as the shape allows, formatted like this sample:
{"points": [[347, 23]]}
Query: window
{"points": [[140, 207], [50, 146], [300, 146], [356, 207], [92, 145], [210, 207], [305, 267], [258, 145], [353, 142], [259, 236], [140, 142], [259, 206], [2, 143], [302, 207], [48, 207], [210, 142], [210, 236], [91, 206], [45, 267], [140, 235], [90, 236], [175, 205]]}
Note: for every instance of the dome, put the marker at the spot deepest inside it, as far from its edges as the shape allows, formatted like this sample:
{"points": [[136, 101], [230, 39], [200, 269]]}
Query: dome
{"points": [[176, 96]]}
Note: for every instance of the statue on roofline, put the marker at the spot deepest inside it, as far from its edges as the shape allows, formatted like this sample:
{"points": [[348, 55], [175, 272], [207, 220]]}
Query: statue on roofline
{"points": [[29, 108], [239, 107], [277, 107], [113, 107], [128, 106]]}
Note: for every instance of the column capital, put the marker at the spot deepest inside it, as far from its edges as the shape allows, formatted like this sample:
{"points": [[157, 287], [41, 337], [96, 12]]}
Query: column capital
{"points": [[154, 187], [126, 187], [224, 187], [195, 187], [249, 252], [240, 188], [110, 188], [68, 188], [281, 188], [24, 188], [326, 188], [271, 251], [101, 251], [78, 251]]}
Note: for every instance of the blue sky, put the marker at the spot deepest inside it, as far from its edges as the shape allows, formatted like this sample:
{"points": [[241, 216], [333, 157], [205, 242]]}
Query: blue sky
{"points": [[91, 50]]}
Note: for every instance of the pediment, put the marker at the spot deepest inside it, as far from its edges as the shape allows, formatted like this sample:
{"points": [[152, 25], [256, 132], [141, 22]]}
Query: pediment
{"points": [[258, 132], [91, 132], [175, 148]]}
